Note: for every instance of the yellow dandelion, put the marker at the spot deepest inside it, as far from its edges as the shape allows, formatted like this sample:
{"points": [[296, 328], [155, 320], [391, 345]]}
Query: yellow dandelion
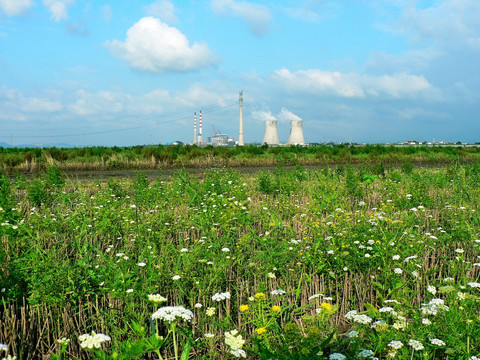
{"points": [[326, 306], [261, 330], [244, 308], [276, 308], [260, 296]]}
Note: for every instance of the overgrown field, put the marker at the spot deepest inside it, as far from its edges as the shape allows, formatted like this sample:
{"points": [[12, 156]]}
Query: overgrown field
{"points": [[95, 158], [340, 263]]}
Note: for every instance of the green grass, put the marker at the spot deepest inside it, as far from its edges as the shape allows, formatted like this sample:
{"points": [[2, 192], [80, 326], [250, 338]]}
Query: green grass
{"points": [[79, 256]]}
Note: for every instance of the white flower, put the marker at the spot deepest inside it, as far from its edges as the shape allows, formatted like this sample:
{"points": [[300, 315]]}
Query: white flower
{"points": [[396, 257], [433, 307], [209, 335], [473, 357], [314, 296], [395, 344], [353, 334], [365, 354], [337, 356], [432, 289], [183, 250], [210, 311], [171, 313], [238, 353], [63, 341], [234, 341], [415, 344], [278, 292], [92, 340], [459, 251], [426, 321], [386, 309], [367, 255], [461, 296], [142, 264], [176, 277], [398, 271], [3, 347], [129, 291], [474, 284], [225, 249], [221, 296], [156, 298], [198, 305], [437, 342]]}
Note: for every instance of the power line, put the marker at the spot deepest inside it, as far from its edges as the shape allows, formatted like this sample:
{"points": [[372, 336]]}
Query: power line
{"points": [[208, 111]]}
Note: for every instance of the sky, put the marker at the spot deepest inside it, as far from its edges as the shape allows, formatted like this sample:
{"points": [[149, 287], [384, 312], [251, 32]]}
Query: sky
{"points": [[124, 73]]}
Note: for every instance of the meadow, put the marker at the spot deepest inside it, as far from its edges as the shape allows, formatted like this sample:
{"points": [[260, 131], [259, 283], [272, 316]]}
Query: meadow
{"points": [[364, 262]]}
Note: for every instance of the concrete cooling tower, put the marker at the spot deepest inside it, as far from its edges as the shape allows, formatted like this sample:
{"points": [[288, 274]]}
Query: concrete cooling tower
{"points": [[271, 133], [296, 133]]}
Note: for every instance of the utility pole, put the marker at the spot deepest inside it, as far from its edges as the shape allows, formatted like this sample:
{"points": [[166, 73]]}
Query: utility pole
{"points": [[240, 127]]}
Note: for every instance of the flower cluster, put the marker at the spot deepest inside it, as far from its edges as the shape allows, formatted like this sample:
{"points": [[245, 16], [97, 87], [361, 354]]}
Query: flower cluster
{"points": [[171, 313], [358, 318], [93, 340], [235, 342], [221, 296], [156, 298]]}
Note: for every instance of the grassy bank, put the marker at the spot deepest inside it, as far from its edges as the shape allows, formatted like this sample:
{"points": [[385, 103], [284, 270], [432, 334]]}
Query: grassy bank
{"points": [[360, 262]]}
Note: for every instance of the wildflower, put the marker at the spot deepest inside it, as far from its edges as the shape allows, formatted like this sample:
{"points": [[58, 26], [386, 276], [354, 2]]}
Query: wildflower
{"points": [[474, 284], [171, 313], [141, 264], [426, 321], [278, 292], [362, 319], [10, 357], [260, 296], [235, 343], [261, 330], [209, 335], [198, 305], [314, 296], [432, 289], [225, 249], [221, 296], [386, 309], [93, 340], [157, 298], [176, 277], [396, 257], [398, 271], [365, 354], [461, 296], [184, 250], [276, 308], [271, 275], [416, 345], [395, 344], [433, 307], [437, 342], [210, 311], [63, 341], [129, 291], [326, 306], [244, 308], [3, 347], [337, 356], [353, 334]]}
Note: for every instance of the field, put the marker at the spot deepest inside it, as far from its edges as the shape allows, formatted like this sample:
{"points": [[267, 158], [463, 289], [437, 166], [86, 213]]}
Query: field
{"points": [[344, 262]]}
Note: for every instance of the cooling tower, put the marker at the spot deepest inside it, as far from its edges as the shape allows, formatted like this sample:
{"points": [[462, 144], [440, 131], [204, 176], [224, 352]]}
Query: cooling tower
{"points": [[296, 133], [271, 133]]}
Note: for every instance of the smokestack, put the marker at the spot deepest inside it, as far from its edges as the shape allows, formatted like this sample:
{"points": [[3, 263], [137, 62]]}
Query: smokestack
{"points": [[271, 133], [240, 126], [296, 133], [194, 128], [200, 128]]}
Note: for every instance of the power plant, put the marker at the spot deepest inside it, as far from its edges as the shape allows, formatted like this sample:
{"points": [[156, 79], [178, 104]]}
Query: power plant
{"points": [[296, 132], [271, 133]]}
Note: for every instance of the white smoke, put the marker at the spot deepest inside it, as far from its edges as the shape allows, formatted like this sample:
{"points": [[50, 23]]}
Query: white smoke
{"points": [[287, 115], [263, 115]]}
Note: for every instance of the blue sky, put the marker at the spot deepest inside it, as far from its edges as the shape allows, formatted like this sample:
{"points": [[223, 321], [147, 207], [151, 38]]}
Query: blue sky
{"points": [[133, 72]]}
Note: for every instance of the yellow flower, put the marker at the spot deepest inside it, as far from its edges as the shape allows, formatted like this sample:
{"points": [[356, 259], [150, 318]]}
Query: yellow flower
{"points": [[260, 296], [261, 330], [276, 308], [244, 308], [326, 306]]}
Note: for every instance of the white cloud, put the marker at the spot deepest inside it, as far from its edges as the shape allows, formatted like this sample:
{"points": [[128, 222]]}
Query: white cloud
{"points": [[262, 115], [395, 86], [15, 7], [448, 23], [39, 105], [256, 16], [314, 11], [151, 45], [164, 9], [58, 8]]}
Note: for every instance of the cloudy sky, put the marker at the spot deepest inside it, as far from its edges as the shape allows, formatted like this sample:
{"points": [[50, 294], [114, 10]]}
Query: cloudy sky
{"points": [[125, 72]]}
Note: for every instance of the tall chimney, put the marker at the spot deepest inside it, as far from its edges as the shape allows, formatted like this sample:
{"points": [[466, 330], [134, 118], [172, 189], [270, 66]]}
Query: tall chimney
{"points": [[200, 129], [194, 128], [240, 126]]}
